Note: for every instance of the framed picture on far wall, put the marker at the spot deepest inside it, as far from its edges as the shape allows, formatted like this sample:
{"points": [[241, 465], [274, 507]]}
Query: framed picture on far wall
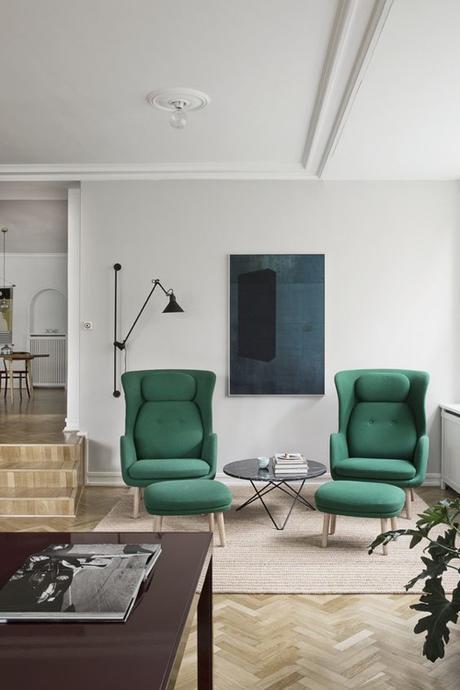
{"points": [[276, 324]]}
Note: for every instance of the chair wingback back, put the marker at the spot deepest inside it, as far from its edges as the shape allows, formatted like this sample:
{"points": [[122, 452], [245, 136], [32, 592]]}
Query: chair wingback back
{"points": [[168, 411], [382, 411]]}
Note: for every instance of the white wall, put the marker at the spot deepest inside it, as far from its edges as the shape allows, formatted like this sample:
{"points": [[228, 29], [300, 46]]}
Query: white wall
{"points": [[391, 294], [32, 273]]}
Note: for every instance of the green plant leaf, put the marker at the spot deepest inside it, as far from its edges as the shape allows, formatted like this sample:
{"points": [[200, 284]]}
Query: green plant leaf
{"points": [[433, 569], [441, 611], [393, 535], [437, 557]]}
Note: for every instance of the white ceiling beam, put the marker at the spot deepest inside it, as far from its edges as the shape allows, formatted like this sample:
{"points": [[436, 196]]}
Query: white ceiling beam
{"points": [[356, 31], [329, 74]]}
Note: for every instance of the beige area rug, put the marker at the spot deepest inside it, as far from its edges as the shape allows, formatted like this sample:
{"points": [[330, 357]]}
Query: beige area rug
{"points": [[260, 559]]}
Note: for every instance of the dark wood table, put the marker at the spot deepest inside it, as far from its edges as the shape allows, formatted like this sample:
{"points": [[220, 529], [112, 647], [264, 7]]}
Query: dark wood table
{"points": [[143, 653]]}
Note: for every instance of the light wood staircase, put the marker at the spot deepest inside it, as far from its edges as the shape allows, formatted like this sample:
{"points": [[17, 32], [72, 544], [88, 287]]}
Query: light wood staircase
{"points": [[41, 479]]}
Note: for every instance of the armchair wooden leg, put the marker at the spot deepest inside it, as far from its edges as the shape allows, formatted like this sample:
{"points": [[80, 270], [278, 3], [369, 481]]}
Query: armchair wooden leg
{"points": [[221, 527], [412, 494], [408, 506], [137, 491], [211, 522], [394, 523], [327, 519], [384, 528], [158, 523], [332, 524]]}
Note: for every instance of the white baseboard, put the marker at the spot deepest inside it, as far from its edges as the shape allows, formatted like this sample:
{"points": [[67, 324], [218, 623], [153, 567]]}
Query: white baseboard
{"points": [[71, 425], [115, 479], [104, 479], [431, 479]]}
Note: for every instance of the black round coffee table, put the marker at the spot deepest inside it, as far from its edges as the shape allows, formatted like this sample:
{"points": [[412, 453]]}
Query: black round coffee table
{"points": [[249, 469]]}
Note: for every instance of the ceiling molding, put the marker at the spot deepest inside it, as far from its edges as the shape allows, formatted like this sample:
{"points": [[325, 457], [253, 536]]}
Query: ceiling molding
{"points": [[37, 255], [371, 37], [167, 171], [341, 27], [355, 34]]}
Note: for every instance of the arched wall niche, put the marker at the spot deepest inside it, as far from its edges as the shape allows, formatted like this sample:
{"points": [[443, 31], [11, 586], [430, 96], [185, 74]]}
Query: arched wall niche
{"points": [[48, 313]]}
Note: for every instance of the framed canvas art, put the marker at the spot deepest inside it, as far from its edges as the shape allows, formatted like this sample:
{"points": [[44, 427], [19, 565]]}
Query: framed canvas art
{"points": [[276, 324]]}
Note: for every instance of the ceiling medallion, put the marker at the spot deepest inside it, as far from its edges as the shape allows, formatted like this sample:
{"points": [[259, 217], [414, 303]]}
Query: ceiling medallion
{"points": [[179, 102]]}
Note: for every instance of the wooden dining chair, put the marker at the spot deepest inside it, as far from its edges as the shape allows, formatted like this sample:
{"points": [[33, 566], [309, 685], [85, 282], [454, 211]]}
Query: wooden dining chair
{"points": [[18, 374]]}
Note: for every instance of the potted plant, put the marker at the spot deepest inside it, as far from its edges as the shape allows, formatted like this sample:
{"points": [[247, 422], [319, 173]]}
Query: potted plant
{"points": [[441, 553]]}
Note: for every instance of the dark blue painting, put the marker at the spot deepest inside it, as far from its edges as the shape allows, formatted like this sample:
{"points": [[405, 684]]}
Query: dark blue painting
{"points": [[277, 324]]}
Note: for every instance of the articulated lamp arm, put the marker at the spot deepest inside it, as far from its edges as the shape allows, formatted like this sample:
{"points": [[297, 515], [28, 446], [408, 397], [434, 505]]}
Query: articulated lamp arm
{"points": [[171, 307], [121, 344]]}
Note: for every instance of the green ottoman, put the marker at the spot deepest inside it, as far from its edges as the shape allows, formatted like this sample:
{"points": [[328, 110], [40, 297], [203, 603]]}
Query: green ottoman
{"points": [[188, 497], [359, 499]]}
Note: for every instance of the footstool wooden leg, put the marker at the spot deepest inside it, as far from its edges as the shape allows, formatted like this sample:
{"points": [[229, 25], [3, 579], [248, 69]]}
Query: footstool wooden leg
{"points": [[158, 523], [384, 528], [211, 521], [327, 519], [408, 506], [221, 527], [394, 523], [136, 502], [412, 495], [332, 523]]}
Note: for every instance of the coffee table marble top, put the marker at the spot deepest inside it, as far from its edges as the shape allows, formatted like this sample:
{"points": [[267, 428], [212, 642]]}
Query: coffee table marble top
{"points": [[249, 469]]}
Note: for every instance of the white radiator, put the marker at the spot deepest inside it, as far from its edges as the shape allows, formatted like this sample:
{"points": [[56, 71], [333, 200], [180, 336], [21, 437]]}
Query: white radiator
{"points": [[52, 370]]}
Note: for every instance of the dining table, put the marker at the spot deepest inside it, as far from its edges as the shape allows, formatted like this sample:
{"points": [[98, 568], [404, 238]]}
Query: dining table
{"points": [[27, 358]]}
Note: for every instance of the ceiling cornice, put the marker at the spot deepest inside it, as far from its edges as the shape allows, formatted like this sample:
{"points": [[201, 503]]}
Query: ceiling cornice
{"points": [[344, 69], [167, 171]]}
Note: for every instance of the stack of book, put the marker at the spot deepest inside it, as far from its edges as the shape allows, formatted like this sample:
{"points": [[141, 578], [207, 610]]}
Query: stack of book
{"points": [[289, 463]]}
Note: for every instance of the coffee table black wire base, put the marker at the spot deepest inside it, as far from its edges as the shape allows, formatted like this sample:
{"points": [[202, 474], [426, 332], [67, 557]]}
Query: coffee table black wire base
{"points": [[250, 471], [287, 489]]}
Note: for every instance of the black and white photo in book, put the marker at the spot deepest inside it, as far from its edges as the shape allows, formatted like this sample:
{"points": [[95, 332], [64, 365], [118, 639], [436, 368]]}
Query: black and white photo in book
{"points": [[81, 582]]}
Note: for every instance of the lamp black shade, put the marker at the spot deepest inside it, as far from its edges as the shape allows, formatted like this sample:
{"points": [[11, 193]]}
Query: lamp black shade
{"points": [[172, 307]]}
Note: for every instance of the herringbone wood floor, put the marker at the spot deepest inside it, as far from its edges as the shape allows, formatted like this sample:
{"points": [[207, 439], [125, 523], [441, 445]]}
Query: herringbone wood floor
{"points": [[293, 642], [320, 642]]}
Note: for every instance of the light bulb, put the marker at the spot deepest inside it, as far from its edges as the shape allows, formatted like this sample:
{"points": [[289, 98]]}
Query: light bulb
{"points": [[178, 119]]}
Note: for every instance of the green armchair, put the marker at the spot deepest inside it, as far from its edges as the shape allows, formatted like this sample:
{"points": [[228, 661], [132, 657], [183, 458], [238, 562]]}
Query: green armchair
{"points": [[168, 427], [382, 428]]}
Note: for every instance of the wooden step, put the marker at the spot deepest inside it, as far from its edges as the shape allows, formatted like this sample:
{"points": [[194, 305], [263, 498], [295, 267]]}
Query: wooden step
{"points": [[41, 479], [52, 502], [25, 474], [41, 465], [42, 451]]}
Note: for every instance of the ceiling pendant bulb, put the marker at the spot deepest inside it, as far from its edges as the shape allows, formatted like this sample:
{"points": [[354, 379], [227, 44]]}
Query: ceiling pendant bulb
{"points": [[178, 119], [179, 102]]}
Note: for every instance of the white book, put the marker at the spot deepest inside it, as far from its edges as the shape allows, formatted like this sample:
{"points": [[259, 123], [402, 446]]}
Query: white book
{"points": [[303, 469], [289, 458]]}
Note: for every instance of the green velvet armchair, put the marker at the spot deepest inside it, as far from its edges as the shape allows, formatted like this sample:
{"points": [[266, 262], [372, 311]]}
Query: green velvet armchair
{"points": [[168, 427], [382, 428]]}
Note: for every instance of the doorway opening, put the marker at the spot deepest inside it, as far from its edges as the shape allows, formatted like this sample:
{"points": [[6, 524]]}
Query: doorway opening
{"points": [[33, 363]]}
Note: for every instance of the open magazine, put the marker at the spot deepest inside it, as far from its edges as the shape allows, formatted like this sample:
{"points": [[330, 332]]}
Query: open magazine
{"points": [[78, 582]]}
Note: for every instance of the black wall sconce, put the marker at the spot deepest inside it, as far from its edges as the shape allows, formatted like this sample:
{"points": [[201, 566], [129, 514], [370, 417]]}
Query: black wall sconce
{"points": [[171, 308]]}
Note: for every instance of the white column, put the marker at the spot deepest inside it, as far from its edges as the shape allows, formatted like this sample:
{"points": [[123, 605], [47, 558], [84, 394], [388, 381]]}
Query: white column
{"points": [[73, 313]]}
